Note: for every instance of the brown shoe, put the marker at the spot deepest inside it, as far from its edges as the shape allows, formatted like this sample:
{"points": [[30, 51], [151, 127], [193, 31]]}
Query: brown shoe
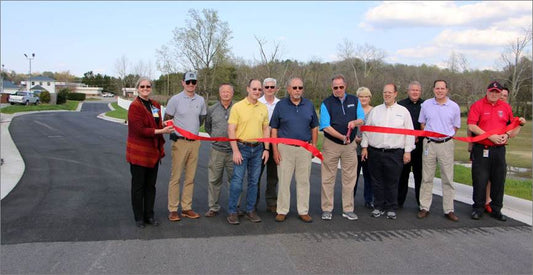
{"points": [[190, 214], [233, 219], [451, 216], [271, 209], [173, 216], [422, 214], [252, 216], [280, 218], [305, 218], [210, 213]]}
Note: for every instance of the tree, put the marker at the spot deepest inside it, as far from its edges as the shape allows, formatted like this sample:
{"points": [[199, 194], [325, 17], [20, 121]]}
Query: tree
{"points": [[457, 62], [202, 44], [165, 64], [346, 51], [516, 62], [121, 68], [371, 56]]}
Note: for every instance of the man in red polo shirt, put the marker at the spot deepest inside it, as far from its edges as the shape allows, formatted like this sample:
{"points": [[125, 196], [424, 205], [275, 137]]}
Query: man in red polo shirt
{"points": [[488, 155]]}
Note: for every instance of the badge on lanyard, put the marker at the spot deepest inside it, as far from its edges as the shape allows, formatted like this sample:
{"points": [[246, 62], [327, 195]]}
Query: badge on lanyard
{"points": [[155, 111], [485, 153]]}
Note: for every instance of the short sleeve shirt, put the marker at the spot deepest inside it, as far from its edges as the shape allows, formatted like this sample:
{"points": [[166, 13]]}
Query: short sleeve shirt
{"points": [[489, 117], [249, 119], [186, 111]]}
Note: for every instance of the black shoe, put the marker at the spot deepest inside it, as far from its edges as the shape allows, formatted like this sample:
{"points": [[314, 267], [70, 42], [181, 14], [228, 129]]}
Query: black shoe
{"points": [[476, 215], [499, 216], [139, 224], [369, 205], [152, 221]]}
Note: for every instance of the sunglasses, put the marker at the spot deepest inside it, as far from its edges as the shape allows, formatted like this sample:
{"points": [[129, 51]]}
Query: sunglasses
{"points": [[338, 87], [298, 87], [188, 82], [257, 89], [147, 86], [270, 87]]}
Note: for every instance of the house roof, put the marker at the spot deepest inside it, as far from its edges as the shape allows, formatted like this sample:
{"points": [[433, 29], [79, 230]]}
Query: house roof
{"points": [[42, 78], [9, 85], [38, 87]]}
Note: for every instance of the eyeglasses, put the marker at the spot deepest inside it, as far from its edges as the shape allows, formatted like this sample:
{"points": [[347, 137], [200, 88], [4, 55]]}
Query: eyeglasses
{"points": [[298, 87], [270, 87], [189, 82], [147, 86], [338, 87], [257, 89]]}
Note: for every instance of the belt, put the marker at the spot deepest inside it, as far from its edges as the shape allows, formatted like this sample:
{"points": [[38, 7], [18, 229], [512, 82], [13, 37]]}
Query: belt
{"points": [[187, 139], [250, 144], [384, 150], [439, 141], [298, 145]]}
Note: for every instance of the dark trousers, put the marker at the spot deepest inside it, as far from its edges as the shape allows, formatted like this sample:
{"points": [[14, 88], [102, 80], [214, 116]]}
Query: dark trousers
{"points": [[416, 166], [367, 193], [271, 192], [143, 181], [493, 168], [385, 168]]}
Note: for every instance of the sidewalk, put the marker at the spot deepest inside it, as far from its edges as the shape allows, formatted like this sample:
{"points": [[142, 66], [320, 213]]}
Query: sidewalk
{"points": [[13, 167]]}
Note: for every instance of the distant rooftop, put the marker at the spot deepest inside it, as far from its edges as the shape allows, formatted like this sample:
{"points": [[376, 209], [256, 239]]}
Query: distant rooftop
{"points": [[41, 78]]}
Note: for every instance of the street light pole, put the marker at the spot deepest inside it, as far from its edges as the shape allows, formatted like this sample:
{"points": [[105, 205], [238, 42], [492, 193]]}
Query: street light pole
{"points": [[30, 58]]}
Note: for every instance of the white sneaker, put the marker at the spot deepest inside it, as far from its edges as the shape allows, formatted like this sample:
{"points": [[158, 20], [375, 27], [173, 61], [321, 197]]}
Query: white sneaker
{"points": [[350, 216], [326, 215]]}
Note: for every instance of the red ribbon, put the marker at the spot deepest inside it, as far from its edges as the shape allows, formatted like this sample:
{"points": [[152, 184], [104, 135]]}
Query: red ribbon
{"points": [[289, 141], [420, 133]]}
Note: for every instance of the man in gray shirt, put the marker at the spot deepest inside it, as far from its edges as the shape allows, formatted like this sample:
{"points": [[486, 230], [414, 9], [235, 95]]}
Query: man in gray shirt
{"points": [[221, 155], [187, 111]]}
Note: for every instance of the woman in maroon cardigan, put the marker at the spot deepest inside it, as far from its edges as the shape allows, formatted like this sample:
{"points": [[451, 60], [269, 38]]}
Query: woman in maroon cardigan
{"points": [[144, 150]]}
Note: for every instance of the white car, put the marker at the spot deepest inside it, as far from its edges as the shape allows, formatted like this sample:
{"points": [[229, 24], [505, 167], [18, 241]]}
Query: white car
{"points": [[108, 95], [23, 97]]}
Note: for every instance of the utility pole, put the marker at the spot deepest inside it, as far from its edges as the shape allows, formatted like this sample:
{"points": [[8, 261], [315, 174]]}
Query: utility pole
{"points": [[30, 58]]}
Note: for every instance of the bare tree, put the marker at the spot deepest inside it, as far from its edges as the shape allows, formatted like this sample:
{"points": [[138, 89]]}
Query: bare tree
{"points": [[142, 68], [121, 68], [165, 63], [515, 60], [346, 51], [267, 59], [371, 56], [457, 62], [202, 44]]}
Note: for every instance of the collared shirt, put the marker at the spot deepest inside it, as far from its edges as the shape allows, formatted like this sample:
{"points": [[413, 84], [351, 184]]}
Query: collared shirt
{"points": [[414, 110], [440, 118], [395, 116], [216, 125], [249, 119], [294, 121], [270, 107], [489, 117], [186, 111]]}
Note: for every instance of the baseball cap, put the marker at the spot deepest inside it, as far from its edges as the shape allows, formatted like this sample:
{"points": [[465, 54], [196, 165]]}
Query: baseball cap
{"points": [[495, 86], [189, 76]]}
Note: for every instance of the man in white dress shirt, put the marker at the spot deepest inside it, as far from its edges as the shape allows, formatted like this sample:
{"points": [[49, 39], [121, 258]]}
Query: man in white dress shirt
{"points": [[386, 153]]}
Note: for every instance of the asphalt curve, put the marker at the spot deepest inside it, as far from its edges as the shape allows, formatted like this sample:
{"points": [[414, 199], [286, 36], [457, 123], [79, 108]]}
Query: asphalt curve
{"points": [[76, 187]]}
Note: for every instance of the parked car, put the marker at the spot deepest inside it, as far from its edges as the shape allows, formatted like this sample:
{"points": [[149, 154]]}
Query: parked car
{"points": [[23, 97], [108, 95]]}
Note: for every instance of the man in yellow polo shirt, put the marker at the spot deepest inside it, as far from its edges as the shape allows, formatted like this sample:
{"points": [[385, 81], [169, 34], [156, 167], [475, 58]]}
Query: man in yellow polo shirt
{"points": [[248, 120]]}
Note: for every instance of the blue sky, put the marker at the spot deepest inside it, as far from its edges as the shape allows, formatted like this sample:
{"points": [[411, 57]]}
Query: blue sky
{"points": [[92, 36]]}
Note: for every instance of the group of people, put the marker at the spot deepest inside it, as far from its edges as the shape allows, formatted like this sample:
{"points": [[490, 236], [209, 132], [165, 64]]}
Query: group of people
{"points": [[386, 158]]}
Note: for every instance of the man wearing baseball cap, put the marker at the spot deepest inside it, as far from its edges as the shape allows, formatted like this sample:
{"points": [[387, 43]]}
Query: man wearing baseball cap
{"points": [[488, 155], [187, 111]]}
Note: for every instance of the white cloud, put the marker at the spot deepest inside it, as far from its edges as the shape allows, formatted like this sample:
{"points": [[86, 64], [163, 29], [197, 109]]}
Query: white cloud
{"points": [[409, 14], [475, 37]]}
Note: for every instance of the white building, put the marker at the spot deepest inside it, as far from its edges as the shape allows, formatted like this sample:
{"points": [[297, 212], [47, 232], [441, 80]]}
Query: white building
{"points": [[46, 83]]}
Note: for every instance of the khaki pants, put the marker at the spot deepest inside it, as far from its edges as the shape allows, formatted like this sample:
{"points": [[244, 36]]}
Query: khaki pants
{"points": [[184, 156], [332, 152], [443, 153], [218, 162], [294, 160]]}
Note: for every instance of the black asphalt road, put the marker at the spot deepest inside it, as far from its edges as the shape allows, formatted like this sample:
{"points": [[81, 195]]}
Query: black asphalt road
{"points": [[76, 187]]}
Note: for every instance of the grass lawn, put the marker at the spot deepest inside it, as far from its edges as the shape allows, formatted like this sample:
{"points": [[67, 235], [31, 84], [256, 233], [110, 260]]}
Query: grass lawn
{"points": [[70, 105], [119, 112]]}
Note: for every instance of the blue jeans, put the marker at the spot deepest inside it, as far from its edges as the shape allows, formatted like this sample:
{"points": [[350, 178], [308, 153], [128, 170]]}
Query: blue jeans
{"points": [[251, 160]]}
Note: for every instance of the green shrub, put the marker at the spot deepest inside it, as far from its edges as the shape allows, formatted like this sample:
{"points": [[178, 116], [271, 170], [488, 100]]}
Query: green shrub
{"points": [[76, 96], [44, 97], [62, 96]]}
